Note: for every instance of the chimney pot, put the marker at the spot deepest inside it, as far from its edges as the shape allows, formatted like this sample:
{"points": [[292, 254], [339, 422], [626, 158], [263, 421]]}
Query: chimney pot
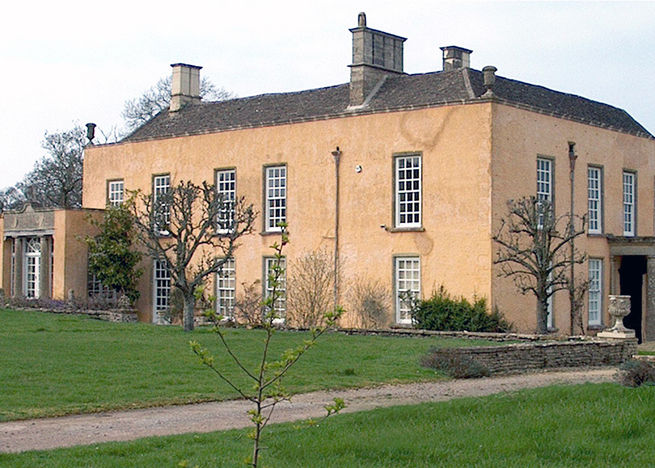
{"points": [[361, 20], [455, 57], [489, 76], [185, 85], [91, 131]]}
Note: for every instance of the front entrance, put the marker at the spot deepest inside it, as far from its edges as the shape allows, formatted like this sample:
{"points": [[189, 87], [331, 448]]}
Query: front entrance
{"points": [[631, 274]]}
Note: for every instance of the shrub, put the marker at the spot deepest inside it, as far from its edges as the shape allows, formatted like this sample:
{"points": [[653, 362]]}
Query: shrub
{"points": [[441, 312], [453, 363], [248, 305], [309, 289], [636, 372], [371, 302]]}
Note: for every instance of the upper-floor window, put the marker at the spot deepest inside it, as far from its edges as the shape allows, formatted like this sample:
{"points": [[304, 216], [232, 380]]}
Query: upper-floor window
{"points": [[161, 185], [629, 203], [226, 182], [115, 192], [408, 191], [595, 293], [595, 199], [276, 197], [545, 179], [407, 272], [226, 289]]}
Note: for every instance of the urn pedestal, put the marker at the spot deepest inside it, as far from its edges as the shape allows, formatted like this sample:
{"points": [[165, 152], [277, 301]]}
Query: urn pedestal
{"points": [[619, 307]]}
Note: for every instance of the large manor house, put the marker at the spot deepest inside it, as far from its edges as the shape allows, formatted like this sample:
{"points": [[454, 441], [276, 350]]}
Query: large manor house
{"points": [[405, 176]]}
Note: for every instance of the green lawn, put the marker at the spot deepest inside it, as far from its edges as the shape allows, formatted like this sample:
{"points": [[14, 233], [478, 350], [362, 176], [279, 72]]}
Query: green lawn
{"points": [[602, 425], [61, 364]]}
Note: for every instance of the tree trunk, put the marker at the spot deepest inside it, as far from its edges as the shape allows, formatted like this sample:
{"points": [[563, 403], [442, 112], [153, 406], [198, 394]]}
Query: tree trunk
{"points": [[542, 317], [189, 309]]}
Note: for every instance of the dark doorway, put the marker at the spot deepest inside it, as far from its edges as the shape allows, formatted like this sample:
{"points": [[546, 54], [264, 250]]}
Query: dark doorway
{"points": [[633, 267]]}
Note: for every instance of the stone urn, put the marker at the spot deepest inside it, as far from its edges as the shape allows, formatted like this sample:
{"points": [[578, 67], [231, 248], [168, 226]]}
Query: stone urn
{"points": [[619, 307]]}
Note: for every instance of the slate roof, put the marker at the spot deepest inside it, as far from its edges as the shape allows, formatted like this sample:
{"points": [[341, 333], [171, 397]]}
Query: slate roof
{"points": [[396, 93]]}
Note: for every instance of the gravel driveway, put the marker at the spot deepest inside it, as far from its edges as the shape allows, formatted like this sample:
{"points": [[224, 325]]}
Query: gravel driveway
{"points": [[41, 434]]}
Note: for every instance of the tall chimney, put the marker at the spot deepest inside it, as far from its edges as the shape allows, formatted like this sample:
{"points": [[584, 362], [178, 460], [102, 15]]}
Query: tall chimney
{"points": [[455, 57], [376, 54], [185, 86]]}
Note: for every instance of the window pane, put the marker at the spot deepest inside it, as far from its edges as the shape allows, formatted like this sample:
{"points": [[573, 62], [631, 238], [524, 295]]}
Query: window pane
{"points": [[276, 197], [595, 293], [226, 289], [226, 189], [408, 285], [408, 191]]}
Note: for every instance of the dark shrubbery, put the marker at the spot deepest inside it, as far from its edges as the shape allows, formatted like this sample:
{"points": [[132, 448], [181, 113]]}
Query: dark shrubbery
{"points": [[634, 373], [453, 364], [441, 312]]}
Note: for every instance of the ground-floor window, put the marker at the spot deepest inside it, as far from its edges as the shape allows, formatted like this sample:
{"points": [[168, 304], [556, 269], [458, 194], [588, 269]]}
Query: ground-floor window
{"points": [[226, 289], [161, 287], [31, 279], [595, 291], [280, 303], [407, 274]]}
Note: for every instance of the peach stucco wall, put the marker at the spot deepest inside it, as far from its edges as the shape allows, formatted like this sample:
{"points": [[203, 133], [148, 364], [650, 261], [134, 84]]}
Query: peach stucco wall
{"points": [[519, 137], [70, 252], [455, 144]]}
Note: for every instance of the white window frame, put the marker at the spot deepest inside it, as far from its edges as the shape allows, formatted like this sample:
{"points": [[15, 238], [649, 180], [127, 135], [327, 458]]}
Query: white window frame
{"points": [[32, 268], [595, 292], [408, 196], [545, 179], [161, 184], [275, 197], [595, 199], [226, 187], [281, 303], [629, 203], [161, 290], [226, 284], [407, 277], [115, 192]]}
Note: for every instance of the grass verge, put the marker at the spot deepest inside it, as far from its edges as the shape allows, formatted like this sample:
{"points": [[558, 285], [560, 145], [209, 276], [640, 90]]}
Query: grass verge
{"points": [[62, 364], [602, 425]]}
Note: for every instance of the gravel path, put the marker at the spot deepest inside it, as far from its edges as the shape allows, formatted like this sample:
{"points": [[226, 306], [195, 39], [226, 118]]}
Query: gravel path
{"points": [[41, 434]]}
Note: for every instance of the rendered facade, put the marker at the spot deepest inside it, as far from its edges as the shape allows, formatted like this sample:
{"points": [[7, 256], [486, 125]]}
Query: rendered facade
{"points": [[426, 164]]}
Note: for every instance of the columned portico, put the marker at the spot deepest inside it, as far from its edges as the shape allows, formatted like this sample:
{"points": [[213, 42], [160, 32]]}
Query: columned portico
{"points": [[30, 232], [633, 274]]}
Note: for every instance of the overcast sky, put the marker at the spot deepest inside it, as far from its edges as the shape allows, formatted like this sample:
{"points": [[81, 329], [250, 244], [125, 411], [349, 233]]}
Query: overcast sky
{"points": [[71, 62]]}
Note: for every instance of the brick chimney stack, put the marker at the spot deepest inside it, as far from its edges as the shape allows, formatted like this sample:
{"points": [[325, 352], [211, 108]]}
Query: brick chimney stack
{"points": [[376, 54], [185, 86]]}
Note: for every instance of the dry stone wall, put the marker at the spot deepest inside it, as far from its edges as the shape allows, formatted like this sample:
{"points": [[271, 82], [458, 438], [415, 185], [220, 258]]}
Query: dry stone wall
{"points": [[522, 357]]}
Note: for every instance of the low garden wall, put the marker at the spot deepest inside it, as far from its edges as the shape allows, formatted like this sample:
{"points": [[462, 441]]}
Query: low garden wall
{"points": [[500, 337], [116, 315], [522, 357]]}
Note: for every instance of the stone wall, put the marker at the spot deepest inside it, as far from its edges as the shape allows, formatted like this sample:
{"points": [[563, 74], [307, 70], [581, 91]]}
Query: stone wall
{"points": [[522, 357]]}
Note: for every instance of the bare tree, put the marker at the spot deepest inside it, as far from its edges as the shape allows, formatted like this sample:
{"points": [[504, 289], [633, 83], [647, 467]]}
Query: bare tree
{"points": [[138, 111], [371, 301], [56, 180], [533, 250], [309, 288], [11, 198], [180, 227]]}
